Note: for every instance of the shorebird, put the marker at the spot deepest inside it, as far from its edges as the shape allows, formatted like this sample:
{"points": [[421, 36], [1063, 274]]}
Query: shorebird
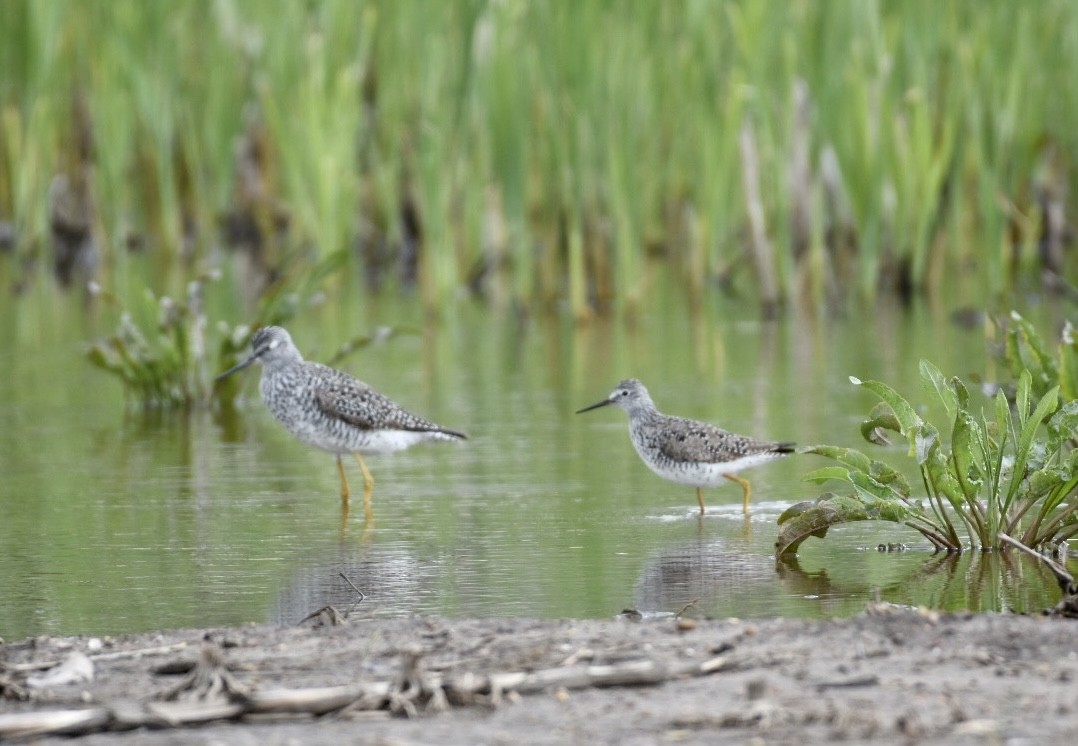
{"points": [[689, 452], [331, 410]]}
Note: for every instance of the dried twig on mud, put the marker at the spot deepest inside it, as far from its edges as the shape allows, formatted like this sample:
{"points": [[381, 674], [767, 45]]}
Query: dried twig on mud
{"points": [[361, 594], [686, 607], [327, 616], [209, 680], [12, 689], [413, 688], [115, 655], [211, 693], [470, 689]]}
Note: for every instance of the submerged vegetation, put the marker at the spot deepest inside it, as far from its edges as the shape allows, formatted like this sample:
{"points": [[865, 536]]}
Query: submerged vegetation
{"points": [[536, 153], [1009, 472]]}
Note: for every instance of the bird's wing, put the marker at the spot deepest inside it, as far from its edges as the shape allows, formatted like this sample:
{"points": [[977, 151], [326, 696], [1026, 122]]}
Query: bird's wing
{"points": [[350, 405], [346, 398], [688, 440]]}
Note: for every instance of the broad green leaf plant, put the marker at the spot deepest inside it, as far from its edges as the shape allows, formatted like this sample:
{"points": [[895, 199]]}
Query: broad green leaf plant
{"points": [[1009, 470]]}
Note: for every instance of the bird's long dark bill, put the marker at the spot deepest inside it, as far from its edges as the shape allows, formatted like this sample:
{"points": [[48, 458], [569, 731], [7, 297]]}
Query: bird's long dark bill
{"points": [[596, 405], [234, 368]]}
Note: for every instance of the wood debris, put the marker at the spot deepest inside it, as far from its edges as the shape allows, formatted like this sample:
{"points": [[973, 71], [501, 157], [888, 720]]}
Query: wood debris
{"points": [[210, 692]]}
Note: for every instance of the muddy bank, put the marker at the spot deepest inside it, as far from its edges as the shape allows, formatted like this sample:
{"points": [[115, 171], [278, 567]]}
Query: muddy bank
{"points": [[888, 675]]}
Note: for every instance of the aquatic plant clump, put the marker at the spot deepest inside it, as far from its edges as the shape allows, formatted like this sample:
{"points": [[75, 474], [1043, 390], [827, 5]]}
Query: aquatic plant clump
{"points": [[1012, 470], [163, 369]]}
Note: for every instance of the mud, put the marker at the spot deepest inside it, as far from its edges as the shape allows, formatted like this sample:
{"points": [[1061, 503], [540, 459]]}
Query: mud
{"points": [[886, 676]]}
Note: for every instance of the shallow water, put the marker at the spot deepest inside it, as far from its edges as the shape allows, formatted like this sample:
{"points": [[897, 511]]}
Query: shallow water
{"points": [[114, 522]]}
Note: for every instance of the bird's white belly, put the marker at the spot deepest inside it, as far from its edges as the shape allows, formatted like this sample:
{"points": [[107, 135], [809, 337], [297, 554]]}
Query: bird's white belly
{"points": [[368, 443], [388, 441], [698, 474]]}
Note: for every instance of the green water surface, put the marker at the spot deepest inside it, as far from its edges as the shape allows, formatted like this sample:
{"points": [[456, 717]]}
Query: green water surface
{"points": [[112, 520]]}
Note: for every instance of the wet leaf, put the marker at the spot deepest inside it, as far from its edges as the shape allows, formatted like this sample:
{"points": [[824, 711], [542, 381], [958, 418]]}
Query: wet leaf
{"points": [[1038, 455], [873, 476], [1003, 418], [798, 509], [881, 418], [907, 418], [875, 435], [966, 448], [924, 441], [939, 471], [1063, 424], [884, 474], [960, 391], [947, 485], [868, 489], [849, 456], [1043, 481], [1023, 451], [934, 382], [814, 518], [1021, 397], [828, 473], [1027, 354]]}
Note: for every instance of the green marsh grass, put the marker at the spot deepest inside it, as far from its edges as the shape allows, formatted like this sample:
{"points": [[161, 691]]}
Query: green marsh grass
{"points": [[546, 154]]}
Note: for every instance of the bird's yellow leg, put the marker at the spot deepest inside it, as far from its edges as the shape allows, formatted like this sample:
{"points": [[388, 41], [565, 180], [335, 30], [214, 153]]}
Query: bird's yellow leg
{"points": [[368, 485], [346, 510], [345, 493], [700, 499], [368, 480], [746, 488]]}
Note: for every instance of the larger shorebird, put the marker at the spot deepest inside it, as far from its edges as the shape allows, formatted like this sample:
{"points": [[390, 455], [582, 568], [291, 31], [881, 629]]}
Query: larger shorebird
{"points": [[331, 410], [689, 452]]}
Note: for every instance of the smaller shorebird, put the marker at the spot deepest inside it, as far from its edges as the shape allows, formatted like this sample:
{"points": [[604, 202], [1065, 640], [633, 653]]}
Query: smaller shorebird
{"points": [[331, 410], [686, 451]]}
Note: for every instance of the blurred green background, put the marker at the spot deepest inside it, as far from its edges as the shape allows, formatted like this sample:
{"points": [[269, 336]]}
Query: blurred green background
{"points": [[542, 154]]}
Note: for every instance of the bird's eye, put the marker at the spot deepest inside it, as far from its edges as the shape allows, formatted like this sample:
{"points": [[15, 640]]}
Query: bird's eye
{"points": [[273, 344]]}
